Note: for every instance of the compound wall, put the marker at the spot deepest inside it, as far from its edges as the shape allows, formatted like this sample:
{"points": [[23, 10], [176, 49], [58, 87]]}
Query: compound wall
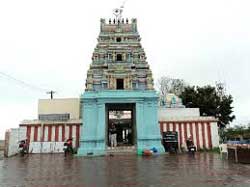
{"points": [[204, 133]]}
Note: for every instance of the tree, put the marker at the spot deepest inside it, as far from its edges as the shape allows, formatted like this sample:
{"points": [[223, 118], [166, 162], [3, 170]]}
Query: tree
{"points": [[211, 103], [212, 100], [170, 85], [237, 132], [163, 86]]}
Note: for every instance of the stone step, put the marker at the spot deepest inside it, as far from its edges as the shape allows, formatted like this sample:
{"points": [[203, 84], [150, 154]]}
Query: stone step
{"points": [[121, 150]]}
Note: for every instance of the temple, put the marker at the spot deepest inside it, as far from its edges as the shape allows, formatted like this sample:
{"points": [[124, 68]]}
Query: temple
{"points": [[119, 90], [119, 80]]}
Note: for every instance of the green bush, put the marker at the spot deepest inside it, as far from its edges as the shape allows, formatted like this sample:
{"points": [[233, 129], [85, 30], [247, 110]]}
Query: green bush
{"points": [[214, 150]]}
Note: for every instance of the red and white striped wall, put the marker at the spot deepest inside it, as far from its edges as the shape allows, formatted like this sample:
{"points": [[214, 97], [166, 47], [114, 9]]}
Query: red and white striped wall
{"points": [[53, 132], [203, 133]]}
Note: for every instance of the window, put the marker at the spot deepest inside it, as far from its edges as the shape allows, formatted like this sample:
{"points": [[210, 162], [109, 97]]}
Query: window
{"points": [[119, 84], [118, 39], [134, 85], [119, 57], [109, 56], [141, 86], [104, 85], [54, 117], [129, 56]]}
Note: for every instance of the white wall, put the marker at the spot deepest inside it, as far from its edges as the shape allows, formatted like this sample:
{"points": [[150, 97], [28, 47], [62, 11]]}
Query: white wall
{"points": [[46, 147], [15, 136], [214, 134], [165, 113]]}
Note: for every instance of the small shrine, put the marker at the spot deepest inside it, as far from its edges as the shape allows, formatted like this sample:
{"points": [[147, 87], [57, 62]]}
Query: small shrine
{"points": [[171, 101]]}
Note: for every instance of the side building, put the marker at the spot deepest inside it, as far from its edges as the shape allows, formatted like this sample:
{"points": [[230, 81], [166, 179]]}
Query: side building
{"points": [[58, 120]]}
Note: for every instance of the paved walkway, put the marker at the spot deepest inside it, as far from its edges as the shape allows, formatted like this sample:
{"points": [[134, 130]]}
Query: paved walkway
{"points": [[206, 169]]}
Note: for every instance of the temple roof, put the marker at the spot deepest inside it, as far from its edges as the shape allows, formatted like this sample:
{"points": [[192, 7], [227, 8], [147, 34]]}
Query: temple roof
{"points": [[119, 61]]}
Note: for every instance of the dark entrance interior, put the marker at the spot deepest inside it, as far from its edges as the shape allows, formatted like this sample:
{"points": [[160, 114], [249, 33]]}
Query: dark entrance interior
{"points": [[119, 84], [123, 117], [119, 57], [118, 39]]}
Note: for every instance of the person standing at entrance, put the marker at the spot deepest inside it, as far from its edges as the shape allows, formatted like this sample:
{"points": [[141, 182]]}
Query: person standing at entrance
{"points": [[113, 132]]}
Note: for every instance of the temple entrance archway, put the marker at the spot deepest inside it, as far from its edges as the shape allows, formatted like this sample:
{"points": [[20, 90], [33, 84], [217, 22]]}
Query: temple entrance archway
{"points": [[122, 115], [144, 125]]}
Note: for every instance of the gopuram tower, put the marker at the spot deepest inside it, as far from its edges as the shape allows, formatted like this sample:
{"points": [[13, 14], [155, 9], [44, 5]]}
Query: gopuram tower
{"points": [[119, 79]]}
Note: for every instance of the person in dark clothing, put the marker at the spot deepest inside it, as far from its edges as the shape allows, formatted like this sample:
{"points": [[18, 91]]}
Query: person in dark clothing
{"points": [[68, 146], [24, 147], [190, 143], [113, 135]]}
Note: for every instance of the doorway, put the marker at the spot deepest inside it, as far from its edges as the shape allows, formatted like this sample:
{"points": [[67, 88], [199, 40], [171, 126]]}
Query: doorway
{"points": [[122, 116], [119, 57], [119, 84]]}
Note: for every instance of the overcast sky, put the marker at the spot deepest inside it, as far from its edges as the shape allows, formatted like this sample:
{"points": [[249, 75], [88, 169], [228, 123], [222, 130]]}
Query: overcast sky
{"points": [[48, 44]]}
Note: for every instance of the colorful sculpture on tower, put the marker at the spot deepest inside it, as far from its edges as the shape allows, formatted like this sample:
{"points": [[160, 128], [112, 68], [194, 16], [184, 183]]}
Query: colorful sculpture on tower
{"points": [[119, 55]]}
